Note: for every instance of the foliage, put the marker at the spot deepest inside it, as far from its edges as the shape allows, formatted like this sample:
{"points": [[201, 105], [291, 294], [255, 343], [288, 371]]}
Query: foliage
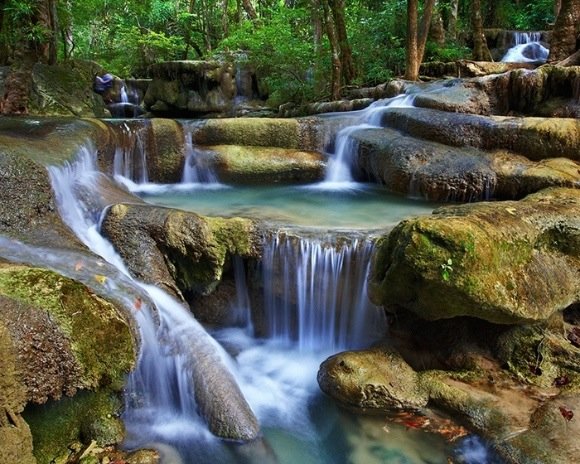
{"points": [[452, 52], [281, 53]]}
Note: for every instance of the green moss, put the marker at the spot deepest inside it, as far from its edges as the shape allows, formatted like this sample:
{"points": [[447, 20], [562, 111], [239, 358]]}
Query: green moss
{"points": [[100, 339], [57, 424]]}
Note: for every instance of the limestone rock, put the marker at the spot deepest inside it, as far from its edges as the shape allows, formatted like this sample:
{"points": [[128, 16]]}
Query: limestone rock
{"points": [[507, 262], [377, 379], [256, 165], [163, 246]]}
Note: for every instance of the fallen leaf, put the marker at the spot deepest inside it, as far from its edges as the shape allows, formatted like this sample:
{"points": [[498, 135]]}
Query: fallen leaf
{"points": [[512, 211], [100, 279], [79, 265], [567, 414], [138, 303], [574, 336], [561, 381]]}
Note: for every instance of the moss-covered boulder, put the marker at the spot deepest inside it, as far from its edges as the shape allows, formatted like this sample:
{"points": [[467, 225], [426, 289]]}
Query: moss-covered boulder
{"points": [[168, 247], [302, 134], [377, 379], [252, 165], [436, 171], [534, 138], [190, 88], [508, 262], [57, 338], [66, 89]]}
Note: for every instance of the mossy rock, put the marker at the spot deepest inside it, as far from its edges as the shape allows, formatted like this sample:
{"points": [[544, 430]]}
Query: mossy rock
{"points": [[168, 247], [57, 424], [66, 89], [100, 341], [487, 260], [264, 132], [378, 380], [251, 165]]}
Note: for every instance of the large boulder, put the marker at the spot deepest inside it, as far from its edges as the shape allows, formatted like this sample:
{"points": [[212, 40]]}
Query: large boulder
{"points": [[534, 138], [57, 339], [377, 379], [508, 262], [182, 251], [191, 88], [250, 165], [439, 172]]}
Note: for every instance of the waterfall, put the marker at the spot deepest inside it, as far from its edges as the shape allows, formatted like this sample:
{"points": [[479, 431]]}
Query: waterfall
{"points": [[130, 160], [527, 48], [339, 171], [163, 392], [123, 94], [314, 293], [197, 167]]}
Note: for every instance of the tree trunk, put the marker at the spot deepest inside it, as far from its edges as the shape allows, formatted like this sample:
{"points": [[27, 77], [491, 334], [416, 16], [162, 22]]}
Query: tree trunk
{"points": [[225, 25], [437, 30], [250, 10], [416, 37], [317, 33], [563, 43], [424, 30], [452, 20], [480, 50], [336, 74], [412, 58], [348, 70]]}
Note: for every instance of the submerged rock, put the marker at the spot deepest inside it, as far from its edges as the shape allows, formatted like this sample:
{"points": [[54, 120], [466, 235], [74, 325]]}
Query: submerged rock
{"points": [[508, 262]]}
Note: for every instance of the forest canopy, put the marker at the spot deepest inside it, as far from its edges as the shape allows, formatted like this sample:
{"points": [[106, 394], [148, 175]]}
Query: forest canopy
{"points": [[301, 48]]}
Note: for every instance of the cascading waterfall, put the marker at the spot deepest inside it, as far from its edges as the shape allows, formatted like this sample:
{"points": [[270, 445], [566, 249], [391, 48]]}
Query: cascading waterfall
{"points": [[197, 168], [527, 48], [130, 160], [161, 395], [339, 171], [314, 293]]}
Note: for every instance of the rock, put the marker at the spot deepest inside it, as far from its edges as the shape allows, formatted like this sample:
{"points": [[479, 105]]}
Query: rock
{"points": [[301, 134], [258, 165], [354, 104], [65, 89], [163, 246], [81, 341], [534, 138], [15, 434], [487, 260], [377, 379], [467, 68], [190, 88]]}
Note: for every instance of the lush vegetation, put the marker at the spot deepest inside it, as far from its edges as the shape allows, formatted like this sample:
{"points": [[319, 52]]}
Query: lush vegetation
{"points": [[287, 41]]}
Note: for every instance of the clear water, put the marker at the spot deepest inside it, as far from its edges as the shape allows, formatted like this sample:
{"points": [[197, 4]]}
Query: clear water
{"points": [[360, 206]]}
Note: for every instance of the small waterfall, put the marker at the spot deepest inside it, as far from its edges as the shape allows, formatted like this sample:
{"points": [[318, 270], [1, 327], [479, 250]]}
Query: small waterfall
{"points": [[527, 48], [162, 399], [123, 94], [340, 166], [197, 168], [130, 161], [315, 293]]}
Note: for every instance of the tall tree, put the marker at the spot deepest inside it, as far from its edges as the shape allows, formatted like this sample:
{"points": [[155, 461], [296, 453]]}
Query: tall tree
{"points": [[336, 64], [347, 64], [416, 36], [566, 29], [480, 50]]}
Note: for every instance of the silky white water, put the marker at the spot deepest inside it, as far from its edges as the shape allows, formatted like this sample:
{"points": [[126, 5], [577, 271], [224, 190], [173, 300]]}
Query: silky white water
{"points": [[339, 170], [527, 48]]}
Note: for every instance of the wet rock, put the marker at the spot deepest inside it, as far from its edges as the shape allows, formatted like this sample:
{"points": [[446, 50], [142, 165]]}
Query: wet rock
{"points": [[162, 246], [65, 89], [257, 165], [302, 134], [377, 379], [190, 88], [534, 138], [487, 260]]}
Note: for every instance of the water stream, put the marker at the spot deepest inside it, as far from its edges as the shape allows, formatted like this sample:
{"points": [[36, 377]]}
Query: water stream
{"points": [[527, 49]]}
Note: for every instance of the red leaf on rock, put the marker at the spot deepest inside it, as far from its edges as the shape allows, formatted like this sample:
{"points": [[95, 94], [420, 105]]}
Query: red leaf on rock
{"points": [[561, 381], [567, 414], [574, 336]]}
